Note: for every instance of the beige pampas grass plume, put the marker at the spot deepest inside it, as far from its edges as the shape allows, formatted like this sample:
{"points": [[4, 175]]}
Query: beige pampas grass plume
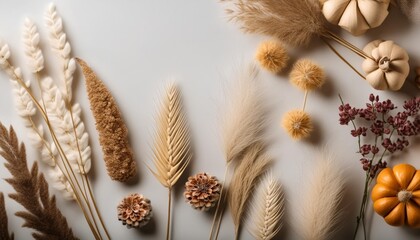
{"points": [[251, 167], [320, 211], [307, 75], [113, 133], [298, 124], [272, 56], [267, 209], [295, 23]]}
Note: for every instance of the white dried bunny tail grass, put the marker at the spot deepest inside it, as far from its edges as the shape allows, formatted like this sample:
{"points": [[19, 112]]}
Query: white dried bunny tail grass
{"points": [[243, 123], [267, 209], [32, 49], [62, 123], [61, 46], [320, 213]]}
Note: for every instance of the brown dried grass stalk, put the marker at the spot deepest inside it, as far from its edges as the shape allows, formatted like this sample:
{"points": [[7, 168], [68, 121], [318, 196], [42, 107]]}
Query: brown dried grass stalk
{"points": [[295, 23], [4, 232], [113, 133], [32, 192], [253, 164]]}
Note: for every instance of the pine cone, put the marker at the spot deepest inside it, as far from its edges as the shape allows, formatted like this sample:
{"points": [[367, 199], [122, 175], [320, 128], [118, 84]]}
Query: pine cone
{"points": [[135, 211], [202, 191]]}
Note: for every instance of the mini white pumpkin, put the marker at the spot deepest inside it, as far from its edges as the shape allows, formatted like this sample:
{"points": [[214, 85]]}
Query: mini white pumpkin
{"points": [[356, 16], [388, 66]]}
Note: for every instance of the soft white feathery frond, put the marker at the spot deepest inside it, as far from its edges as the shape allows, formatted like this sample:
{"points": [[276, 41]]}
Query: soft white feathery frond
{"points": [[243, 122], [320, 213], [32, 50], [267, 209], [4, 53], [24, 104], [62, 122], [59, 43], [61, 183]]}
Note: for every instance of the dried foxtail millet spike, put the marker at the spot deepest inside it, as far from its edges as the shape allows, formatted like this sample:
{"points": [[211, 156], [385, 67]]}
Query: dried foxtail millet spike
{"points": [[113, 133]]}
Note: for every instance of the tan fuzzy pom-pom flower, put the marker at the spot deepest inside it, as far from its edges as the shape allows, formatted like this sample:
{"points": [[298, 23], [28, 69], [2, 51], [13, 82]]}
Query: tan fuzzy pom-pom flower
{"points": [[298, 124], [272, 56], [202, 191], [307, 75], [135, 211]]}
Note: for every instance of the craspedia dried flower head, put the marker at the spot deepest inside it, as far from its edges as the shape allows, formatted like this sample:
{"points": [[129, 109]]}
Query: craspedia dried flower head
{"points": [[307, 75], [298, 124], [272, 56], [135, 210], [202, 191]]}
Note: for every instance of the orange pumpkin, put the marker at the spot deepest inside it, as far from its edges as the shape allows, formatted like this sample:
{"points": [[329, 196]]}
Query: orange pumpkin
{"points": [[396, 195]]}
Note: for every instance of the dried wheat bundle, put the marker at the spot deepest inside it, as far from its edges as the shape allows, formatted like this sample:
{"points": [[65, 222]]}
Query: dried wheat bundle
{"points": [[172, 150], [4, 229], [32, 193], [251, 167], [113, 133], [320, 214], [266, 210], [295, 23]]}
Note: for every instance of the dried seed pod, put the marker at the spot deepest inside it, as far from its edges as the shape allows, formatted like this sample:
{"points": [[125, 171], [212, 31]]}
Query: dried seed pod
{"points": [[135, 211], [202, 191]]}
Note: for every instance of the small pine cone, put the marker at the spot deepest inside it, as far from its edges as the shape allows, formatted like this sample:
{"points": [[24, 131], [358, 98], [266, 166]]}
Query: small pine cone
{"points": [[135, 211], [202, 191]]}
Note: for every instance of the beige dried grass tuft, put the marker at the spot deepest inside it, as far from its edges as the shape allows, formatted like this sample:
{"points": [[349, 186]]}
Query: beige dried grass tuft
{"points": [[272, 55], [295, 23], [267, 209], [320, 212], [307, 75], [253, 164], [113, 133], [298, 124]]}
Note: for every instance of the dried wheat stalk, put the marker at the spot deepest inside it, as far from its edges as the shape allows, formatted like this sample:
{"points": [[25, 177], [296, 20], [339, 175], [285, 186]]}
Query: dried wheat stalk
{"points": [[113, 133], [266, 210], [320, 213], [32, 192], [4, 229], [294, 22], [252, 165], [172, 151]]}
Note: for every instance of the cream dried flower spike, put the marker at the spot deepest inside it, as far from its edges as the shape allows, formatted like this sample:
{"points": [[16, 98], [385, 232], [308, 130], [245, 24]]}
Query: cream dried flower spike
{"points": [[356, 16]]}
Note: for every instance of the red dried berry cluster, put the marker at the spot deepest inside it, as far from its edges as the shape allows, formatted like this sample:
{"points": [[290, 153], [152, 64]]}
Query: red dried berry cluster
{"points": [[390, 132]]}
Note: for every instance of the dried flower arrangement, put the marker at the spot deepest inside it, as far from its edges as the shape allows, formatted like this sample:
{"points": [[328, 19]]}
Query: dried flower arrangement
{"points": [[113, 133], [135, 211], [66, 150], [172, 150], [32, 193], [390, 135], [202, 191], [297, 23], [4, 229]]}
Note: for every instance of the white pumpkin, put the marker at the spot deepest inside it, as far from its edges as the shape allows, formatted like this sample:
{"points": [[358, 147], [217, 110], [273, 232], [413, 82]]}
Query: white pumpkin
{"points": [[356, 16], [387, 67]]}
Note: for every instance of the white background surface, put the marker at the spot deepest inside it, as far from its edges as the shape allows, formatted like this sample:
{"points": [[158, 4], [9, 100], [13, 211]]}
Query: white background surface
{"points": [[135, 46]]}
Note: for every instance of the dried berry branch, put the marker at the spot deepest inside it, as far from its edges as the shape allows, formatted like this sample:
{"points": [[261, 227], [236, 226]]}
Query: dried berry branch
{"points": [[32, 192], [4, 231]]}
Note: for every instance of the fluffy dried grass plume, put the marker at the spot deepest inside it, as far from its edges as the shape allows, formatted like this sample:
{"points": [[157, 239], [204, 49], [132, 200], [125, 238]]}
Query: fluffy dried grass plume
{"points": [[272, 55], [295, 23], [243, 123], [307, 75], [298, 124], [251, 167], [267, 209], [113, 133], [320, 212], [4, 229]]}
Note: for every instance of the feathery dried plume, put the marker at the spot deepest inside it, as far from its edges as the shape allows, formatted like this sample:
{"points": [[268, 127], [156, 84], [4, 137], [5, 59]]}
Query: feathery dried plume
{"points": [[243, 122], [113, 133], [4, 229], [307, 75], [32, 49], [267, 209], [321, 213], [252, 165], [61, 46], [295, 23], [272, 55], [298, 124], [32, 192]]}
